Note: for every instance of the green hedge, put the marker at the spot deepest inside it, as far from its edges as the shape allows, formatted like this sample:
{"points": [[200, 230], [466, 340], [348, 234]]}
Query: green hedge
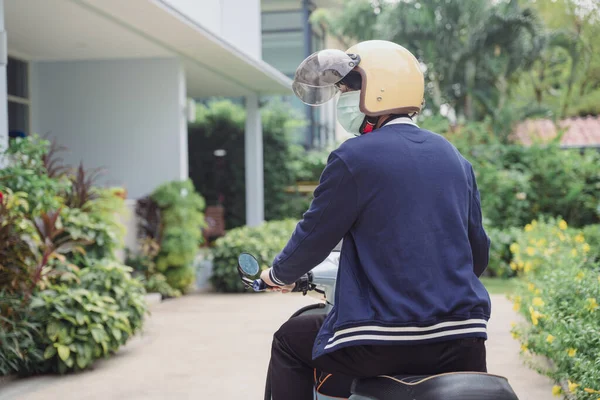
{"points": [[220, 125], [559, 297], [519, 183], [264, 242]]}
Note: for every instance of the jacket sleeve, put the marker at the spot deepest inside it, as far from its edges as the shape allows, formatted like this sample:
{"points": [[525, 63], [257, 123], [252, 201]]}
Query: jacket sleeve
{"points": [[332, 213], [479, 240]]}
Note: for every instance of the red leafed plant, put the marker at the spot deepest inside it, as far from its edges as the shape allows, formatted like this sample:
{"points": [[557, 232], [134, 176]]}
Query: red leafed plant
{"points": [[83, 184]]}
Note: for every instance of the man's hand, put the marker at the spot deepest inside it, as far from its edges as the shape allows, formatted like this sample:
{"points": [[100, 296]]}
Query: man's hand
{"points": [[266, 277]]}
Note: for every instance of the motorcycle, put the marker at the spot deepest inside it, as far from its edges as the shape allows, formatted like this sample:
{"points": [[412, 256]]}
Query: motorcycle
{"points": [[320, 283]]}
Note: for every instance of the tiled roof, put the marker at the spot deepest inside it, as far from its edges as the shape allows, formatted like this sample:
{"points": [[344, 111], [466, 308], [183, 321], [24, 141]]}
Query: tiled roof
{"points": [[579, 132]]}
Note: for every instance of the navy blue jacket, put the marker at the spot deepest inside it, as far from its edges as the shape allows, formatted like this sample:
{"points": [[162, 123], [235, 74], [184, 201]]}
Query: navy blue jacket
{"points": [[407, 206]]}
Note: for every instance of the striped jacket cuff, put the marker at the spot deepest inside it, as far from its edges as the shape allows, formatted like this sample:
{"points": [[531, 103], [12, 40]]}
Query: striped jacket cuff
{"points": [[274, 278]]}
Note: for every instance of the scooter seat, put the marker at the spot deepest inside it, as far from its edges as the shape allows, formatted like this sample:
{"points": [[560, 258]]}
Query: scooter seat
{"points": [[450, 386]]}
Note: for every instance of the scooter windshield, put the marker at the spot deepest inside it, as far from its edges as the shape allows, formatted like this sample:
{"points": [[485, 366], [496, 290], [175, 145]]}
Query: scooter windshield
{"points": [[316, 77]]}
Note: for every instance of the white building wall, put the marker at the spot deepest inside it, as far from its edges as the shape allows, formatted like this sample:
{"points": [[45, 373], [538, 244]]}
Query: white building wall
{"points": [[241, 25], [207, 13], [123, 115], [236, 21]]}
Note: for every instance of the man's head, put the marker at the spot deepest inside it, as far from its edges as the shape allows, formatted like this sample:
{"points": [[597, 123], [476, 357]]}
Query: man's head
{"points": [[377, 79]]}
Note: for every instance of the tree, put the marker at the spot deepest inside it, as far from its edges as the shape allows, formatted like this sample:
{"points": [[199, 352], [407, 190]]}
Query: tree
{"points": [[566, 77], [472, 50]]}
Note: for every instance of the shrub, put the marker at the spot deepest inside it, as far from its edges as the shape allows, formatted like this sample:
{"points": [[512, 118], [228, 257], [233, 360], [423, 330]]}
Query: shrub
{"points": [[264, 242], [90, 320], [500, 256], [518, 183], [113, 279], [157, 283], [19, 337], [308, 165], [592, 237], [220, 125], [27, 173], [181, 221], [559, 296]]}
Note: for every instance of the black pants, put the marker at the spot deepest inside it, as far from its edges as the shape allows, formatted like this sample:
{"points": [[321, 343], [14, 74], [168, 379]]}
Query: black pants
{"points": [[293, 372]]}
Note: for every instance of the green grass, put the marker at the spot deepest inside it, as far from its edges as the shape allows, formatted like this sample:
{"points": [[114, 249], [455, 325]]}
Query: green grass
{"points": [[498, 285]]}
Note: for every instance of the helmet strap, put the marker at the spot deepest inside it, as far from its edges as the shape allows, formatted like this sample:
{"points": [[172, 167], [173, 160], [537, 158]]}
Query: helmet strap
{"points": [[368, 125]]}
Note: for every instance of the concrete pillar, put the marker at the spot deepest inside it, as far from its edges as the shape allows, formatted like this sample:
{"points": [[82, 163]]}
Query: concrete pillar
{"points": [[3, 87], [255, 201]]}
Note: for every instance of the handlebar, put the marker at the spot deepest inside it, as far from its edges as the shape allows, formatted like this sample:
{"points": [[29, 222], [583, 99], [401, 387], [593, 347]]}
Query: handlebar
{"points": [[304, 284]]}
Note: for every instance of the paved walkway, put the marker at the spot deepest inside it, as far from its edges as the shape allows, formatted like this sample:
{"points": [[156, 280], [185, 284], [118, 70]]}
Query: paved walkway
{"points": [[217, 346]]}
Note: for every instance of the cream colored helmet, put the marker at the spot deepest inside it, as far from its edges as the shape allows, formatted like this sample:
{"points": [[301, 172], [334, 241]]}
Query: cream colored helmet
{"points": [[392, 80]]}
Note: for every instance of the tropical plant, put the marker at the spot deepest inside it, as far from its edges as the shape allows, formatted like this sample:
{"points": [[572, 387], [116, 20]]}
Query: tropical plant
{"points": [[15, 252], [113, 279], [19, 337], [90, 320], [27, 173], [83, 187], [472, 49]]}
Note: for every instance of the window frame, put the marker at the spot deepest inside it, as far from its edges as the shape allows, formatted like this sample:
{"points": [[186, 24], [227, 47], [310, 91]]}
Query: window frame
{"points": [[18, 99]]}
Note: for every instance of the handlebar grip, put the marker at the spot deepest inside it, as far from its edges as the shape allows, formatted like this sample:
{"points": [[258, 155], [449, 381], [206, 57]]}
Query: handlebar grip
{"points": [[259, 285]]}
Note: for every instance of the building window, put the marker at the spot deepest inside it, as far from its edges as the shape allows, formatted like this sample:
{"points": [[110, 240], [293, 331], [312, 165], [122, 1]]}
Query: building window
{"points": [[284, 36], [19, 100]]}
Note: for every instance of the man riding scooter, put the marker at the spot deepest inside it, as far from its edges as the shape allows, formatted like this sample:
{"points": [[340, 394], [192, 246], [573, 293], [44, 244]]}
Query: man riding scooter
{"points": [[405, 202]]}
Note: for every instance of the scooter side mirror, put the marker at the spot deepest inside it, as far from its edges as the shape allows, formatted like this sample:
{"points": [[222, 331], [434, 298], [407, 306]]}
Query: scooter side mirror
{"points": [[248, 265]]}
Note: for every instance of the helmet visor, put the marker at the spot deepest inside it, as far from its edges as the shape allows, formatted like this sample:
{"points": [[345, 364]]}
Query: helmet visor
{"points": [[314, 95], [315, 78]]}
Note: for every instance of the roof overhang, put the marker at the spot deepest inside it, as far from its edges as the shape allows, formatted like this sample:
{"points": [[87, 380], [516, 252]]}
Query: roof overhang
{"points": [[116, 29]]}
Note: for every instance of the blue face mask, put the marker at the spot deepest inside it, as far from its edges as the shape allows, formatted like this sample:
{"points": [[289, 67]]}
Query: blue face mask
{"points": [[348, 112]]}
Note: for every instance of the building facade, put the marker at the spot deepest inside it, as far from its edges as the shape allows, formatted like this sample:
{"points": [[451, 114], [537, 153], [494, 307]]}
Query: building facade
{"points": [[111, 80]]}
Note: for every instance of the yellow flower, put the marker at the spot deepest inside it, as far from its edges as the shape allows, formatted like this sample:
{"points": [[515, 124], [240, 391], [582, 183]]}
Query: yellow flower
{"points": [[592, 304], [524, 348], [517, 306], [528, 228], [574, 252], [513, 266], [530, 251], [538, 302], [520, 264], [541, 242], [580, 276], [571, 352], [579, 238], [556, 390], [572, 386], [531, 287], [586, 248], [537, 291], [528, 267], [589, 390], [515, 335], [535, 316], [550, 339], [561, 237], [514, 248], [562, 224]]}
